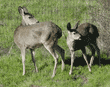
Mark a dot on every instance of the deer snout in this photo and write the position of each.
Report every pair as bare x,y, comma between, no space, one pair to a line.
79,38
37,22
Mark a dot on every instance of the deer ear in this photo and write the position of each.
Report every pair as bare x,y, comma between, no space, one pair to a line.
25,9
19,9
76,26
22,12
69,26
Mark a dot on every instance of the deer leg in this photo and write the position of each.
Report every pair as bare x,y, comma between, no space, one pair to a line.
98,52
93,54
33,59
85,57
55,56
23,59
72,61
61,51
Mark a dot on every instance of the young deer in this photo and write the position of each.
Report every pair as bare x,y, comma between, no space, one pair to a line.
81,36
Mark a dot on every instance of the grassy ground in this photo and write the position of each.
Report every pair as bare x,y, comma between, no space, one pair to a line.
60,12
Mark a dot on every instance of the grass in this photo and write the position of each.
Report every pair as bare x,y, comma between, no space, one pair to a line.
60,12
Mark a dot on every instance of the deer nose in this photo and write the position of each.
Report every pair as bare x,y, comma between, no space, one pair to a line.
79,38
37,22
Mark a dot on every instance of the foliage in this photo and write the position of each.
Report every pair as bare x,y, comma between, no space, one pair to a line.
60,12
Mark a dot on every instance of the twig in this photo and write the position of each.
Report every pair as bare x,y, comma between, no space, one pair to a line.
10,49
64,35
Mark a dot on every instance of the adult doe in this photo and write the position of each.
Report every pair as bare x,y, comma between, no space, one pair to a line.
35,35
81,36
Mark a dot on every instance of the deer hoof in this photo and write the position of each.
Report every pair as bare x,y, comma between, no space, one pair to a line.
70,73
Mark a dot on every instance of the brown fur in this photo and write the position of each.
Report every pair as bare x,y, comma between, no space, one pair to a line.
36,35
88,33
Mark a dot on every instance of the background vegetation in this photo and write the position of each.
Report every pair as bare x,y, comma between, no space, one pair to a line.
60,12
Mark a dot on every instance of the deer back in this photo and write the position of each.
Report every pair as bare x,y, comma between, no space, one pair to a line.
88,29
37,34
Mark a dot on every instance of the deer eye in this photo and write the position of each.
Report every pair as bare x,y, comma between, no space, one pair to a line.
74,33
30,17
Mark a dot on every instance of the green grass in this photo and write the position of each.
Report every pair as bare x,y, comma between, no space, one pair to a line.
60,12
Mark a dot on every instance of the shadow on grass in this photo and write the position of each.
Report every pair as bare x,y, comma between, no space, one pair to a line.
79,61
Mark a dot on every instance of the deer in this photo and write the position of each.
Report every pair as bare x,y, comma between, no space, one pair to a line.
31,35
81,36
